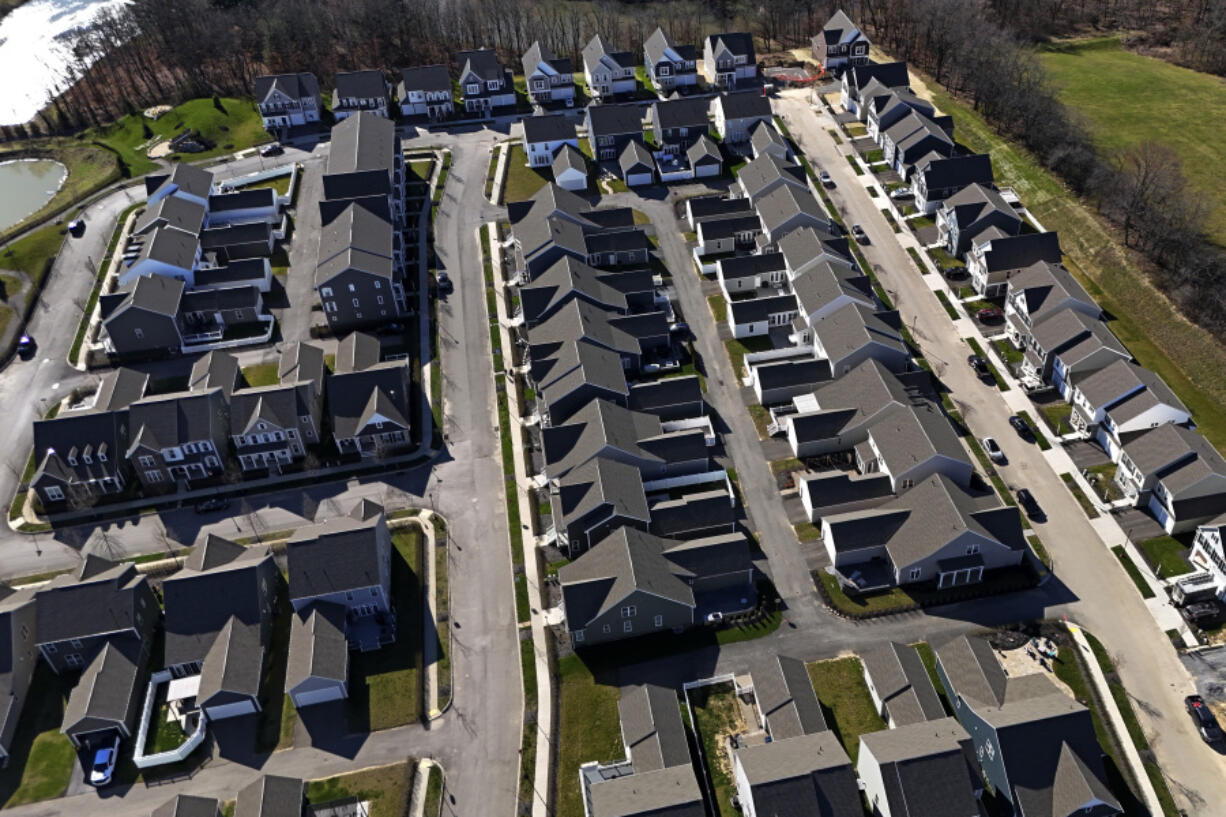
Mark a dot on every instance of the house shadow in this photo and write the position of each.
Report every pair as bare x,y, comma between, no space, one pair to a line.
326,725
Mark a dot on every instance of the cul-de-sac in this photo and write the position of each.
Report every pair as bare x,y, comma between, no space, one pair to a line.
600,408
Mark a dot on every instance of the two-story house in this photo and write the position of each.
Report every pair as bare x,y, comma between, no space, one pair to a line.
357,91
18,624
287,100
368,400
365,166
80,452
1039,291
669,66
676,124
359,274
840,44
1176,474
78,614
347,561
1068,345
609,73
937,178
1209,552
738,114
884,75
610,128
1122,400
544,136
884,111
271,427
994,259
972,212
425,90
915,137
550,79
178,437
485,83
728,60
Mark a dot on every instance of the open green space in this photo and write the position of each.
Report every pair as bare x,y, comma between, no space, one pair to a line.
230,124
40,757
385,685
34,252
588,729
1166,555
278,183
385,788
1128,98
719,308
845,700
522,181
1057,417
1190,360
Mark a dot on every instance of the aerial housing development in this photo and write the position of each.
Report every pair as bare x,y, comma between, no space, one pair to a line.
627,413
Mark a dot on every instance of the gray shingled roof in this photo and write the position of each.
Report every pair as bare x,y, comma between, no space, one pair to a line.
680,113
107,590
483,62
745,104
172,211
271,796
758,174
599,481
317,645
424,78
568,158
103,696
234,664
538,53
1016,251
673,791
188,805
337,555
738,44
548,128
789,201
808,775
853,326
786,698
824,283
625,561
956,171
295,86
924,768
703,151
651,726
364,141
1108,384
902,684
362,84
614,120
635,158
602,424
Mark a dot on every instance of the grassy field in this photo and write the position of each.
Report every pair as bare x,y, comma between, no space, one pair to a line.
261,374
522,181
234,126
1187,357
31,253
1129,98
90,167
845,701
387,788
588,730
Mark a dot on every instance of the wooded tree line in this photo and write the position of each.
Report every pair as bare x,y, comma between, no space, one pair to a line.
971,50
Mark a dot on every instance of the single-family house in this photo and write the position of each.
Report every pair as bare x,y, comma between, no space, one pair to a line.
857,76
719,235
610,128
485,83
995,258
368,400
854,333
922,769
972,212
745,273
809,774
700,207
1039,291
826,287
594,500
937,178
1069,345
884,110
788,208
544,136
808,248
549,79
425,90
185,181
840,44
752,317
317,667
765,138
677,124
18,628
634,583
669,398
608,72
271,796
637,165
728,60
766,174
704,158
357,91
104,703
1175,474
669,66
899,685
914,138
1209,553
287,100
1122,400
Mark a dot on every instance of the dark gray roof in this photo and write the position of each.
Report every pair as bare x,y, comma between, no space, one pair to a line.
188,805
673,792
168,420
280,405
626,561
747,266
214,370
636,158
784,373
868,391
424,78
838,23
972,669
651,727
1066,326
107,590
614,120
764,135
902,684
1104,387
823,284
568,158
851,327
234,663
171,246
337,555
715,227
1016,251
119,389
766,170
1045,286
317,645
364,84
356,239
356,399
802,245
174,211
271,796
973,202
301,361
484,63
680,113
193,180
1185,462
243,199
786,698
664,393
924,768
602,424
569,276
364,141
580,319
707,206
295,86
598,50
603,480
103,696
738,43
659,43
548,128
703,151
745,104
889,74
759,309
956,171
807,775
692,513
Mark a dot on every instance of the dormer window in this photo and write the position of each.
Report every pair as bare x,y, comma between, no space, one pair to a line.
101,456
72,460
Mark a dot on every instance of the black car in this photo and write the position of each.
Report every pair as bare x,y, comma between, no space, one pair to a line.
26,347
979,365
1021,427
955,273
1206,724
1026,500
211,505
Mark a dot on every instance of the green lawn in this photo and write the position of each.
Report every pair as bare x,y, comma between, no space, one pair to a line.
1133,572
1078,494
1185,356
1102,478
1166,556
588,729
385,685
737,349
1128,98
33,253
165,734
761,417
522,181
90,168
1039,438
234,126
261,374
717,715
845,701
386,788
278,183
1057,417
40,758
719,307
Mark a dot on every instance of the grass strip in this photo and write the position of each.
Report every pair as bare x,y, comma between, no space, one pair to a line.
978,349
1080,496
1133,572
949,308
1039,438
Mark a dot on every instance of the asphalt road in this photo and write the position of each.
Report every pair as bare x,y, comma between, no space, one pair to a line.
1104,600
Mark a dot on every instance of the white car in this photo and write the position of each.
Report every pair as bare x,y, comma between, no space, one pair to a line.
989,445
901,193
103,767
715,618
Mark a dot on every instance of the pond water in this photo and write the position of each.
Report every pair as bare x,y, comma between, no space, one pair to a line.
28,184
36,49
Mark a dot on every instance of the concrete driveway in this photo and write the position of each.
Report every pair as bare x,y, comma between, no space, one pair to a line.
1106,602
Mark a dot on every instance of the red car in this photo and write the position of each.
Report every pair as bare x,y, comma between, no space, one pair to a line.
991,313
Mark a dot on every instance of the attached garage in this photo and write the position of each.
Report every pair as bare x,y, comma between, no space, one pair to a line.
104,702
637,165
310,697
231,673
234,709
317,670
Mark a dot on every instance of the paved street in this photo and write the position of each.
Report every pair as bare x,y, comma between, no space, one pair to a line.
1106,603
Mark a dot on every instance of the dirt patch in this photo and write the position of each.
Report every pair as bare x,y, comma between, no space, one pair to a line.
160,150
1025,661
157,111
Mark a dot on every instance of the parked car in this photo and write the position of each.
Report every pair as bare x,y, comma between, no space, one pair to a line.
858,233
990,314
444,283
1203,613
979,365
994,451
901,193
955,273
1022,428
715,618
103,766
212,505
26,347
76,227
1206,724
824,178
680,327
274,149
1026,500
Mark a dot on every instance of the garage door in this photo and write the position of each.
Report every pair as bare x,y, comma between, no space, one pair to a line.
318,696
217,713
1159,511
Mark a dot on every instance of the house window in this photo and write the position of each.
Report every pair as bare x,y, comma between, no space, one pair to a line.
325,292
54,493
153,476
140,333
378,284
379,298
356,302
628,626
72,460
352,288
608,628
472,88
629,610
73,660
76,643
915,573
971,550
51,649
659,621
578,635
101,456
